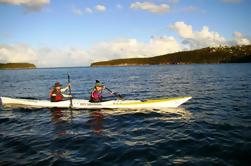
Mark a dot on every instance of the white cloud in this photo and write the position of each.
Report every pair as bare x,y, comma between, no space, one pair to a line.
100,8
80,12
44,57
25,2
88,10
120,48
17,53
97,8
197,39
77,11
151,7
184,30
59,57
30,5
129,48
239,39
163,45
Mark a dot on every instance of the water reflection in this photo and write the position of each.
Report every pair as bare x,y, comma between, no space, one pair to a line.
174,114
167,114
60,115
96,121
91,118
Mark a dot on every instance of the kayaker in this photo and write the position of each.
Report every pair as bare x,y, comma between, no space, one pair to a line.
96,94
57,93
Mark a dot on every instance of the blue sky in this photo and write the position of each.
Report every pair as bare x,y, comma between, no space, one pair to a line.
78,32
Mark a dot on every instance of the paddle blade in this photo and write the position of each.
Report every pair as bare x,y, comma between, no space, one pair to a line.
118,95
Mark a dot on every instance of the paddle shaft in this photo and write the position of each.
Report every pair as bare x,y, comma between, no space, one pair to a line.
116,94
69,81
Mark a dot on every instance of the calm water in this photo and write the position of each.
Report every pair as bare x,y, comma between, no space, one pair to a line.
214,128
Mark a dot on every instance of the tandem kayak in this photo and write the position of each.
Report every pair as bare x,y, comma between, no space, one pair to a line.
85,104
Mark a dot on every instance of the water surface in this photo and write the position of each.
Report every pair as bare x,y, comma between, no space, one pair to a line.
211,129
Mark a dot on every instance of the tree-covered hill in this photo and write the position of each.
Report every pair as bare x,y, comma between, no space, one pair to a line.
17,66
222,54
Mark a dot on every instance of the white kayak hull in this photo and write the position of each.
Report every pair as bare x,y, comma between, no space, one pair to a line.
85,104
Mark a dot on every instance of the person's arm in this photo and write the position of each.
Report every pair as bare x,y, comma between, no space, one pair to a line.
66,88
67,96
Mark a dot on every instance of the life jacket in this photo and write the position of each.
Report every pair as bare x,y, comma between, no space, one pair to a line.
96,96
58,97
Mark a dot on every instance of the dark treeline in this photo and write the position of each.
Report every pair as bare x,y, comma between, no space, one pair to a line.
222,54
17,66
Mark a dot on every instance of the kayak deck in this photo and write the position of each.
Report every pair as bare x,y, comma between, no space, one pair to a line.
85,104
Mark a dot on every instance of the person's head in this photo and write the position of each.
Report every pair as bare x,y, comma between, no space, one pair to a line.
99,86
57,86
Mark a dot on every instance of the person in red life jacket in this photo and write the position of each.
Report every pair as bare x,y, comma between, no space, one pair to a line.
96,94
57,93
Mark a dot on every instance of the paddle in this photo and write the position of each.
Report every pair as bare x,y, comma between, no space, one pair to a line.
114,93
69,81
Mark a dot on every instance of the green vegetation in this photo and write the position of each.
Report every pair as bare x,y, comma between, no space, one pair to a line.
17,66
222,54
